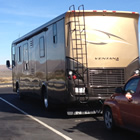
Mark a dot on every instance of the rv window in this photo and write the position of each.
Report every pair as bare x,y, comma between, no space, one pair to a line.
19,54
54,33
41,47
26,55
13,56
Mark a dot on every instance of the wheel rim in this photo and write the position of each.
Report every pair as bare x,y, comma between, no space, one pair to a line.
18,93
46,102
108,119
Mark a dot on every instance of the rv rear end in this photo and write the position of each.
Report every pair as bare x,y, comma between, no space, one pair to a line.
112,52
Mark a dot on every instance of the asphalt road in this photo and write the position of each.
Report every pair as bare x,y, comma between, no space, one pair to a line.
28,120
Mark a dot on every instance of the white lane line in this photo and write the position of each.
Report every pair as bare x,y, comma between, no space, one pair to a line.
37,120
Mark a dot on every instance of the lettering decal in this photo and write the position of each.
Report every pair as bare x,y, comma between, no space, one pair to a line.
107,58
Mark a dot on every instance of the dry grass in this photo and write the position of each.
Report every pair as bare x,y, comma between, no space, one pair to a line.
5,74
6,80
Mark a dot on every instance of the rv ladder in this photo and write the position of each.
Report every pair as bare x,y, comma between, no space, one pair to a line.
79,46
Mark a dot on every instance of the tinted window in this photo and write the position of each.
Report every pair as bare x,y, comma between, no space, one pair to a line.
132,84
41,47
54,33
19,54
26,55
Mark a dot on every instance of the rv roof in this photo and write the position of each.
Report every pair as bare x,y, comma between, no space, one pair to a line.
107,11
95,12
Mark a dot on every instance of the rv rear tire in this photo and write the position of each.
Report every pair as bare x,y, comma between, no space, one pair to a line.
20,96
46,100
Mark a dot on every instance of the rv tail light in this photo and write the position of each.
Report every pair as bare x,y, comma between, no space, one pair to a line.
114,11
94,10
133,12
74,77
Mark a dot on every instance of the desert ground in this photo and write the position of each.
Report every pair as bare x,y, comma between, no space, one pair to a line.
5,74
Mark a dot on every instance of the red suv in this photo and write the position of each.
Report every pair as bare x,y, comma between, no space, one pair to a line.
123,107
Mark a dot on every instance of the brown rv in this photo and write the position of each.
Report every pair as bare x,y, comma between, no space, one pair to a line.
80,56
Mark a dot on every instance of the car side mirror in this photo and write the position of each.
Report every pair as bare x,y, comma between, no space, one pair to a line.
119,90
128,95
8,64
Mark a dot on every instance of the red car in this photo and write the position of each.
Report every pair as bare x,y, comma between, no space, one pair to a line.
123,107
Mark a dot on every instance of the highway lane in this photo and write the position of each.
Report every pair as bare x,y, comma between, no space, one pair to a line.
15,124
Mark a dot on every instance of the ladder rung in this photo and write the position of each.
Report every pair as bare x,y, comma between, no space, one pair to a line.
79,31
81,54
81,34
80,64
80,44
79,67
78,57
76,39
77,48
72,21
80,25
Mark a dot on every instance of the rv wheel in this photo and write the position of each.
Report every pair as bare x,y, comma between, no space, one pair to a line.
45,100
20,96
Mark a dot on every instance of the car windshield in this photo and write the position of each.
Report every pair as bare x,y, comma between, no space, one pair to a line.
132,85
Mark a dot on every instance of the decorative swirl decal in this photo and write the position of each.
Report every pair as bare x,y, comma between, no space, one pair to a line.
110,38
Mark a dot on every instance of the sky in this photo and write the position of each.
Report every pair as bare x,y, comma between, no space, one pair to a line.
18,17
